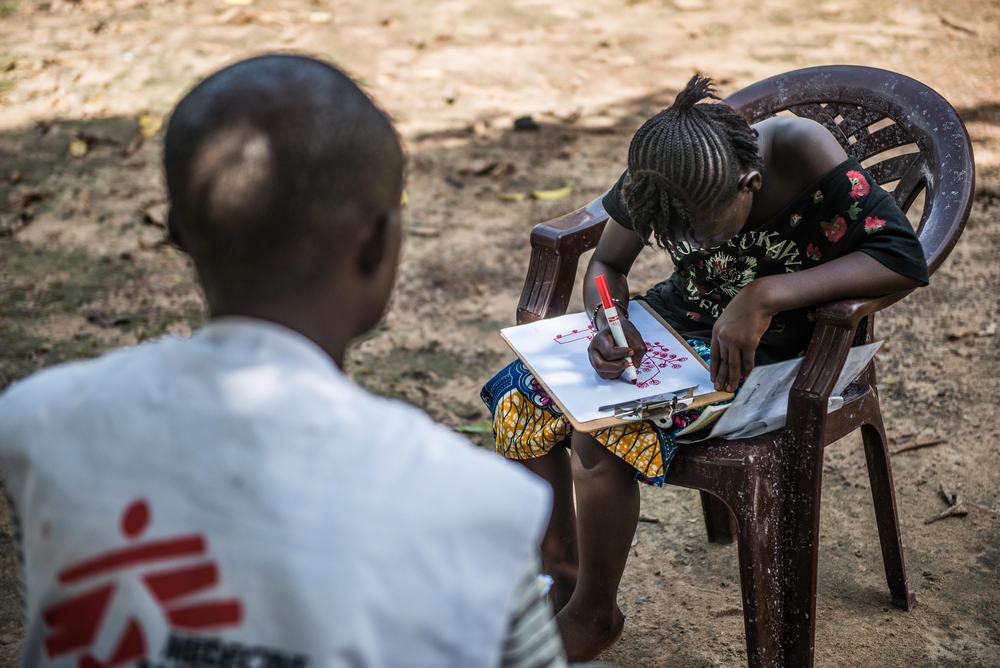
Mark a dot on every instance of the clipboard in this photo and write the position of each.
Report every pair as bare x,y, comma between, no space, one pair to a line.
566,374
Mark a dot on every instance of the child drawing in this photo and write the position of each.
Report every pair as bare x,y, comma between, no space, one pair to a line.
761,223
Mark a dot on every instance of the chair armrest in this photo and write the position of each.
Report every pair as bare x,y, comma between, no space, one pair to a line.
556,246
848,313
836,328
836,331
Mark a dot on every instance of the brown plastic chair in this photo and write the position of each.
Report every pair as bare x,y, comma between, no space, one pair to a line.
765,491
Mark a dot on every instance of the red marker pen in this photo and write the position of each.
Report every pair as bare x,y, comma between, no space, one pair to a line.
611,313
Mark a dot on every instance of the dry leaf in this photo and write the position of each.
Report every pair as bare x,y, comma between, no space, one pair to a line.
78,148
514,197
503,170
132,147
480,168
961,333
159,243
552,195
25,200
149,125
156,214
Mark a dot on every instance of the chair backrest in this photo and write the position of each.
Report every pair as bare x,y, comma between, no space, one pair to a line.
901,130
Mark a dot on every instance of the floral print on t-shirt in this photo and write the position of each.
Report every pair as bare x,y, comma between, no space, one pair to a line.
839,214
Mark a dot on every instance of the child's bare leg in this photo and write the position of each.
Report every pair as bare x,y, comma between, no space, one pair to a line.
559,556
607,502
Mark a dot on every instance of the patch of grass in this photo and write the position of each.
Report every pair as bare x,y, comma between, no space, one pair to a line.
23,352
954,663
431,367
8,7
38,282
150,329
414,376
481,427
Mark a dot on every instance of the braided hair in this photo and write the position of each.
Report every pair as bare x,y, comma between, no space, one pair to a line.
686,158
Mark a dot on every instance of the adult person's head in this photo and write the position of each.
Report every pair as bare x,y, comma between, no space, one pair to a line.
285,183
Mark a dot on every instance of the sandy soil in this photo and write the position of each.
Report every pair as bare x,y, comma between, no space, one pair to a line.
83,266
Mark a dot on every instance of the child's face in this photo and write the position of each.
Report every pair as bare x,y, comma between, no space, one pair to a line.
717,228
721,226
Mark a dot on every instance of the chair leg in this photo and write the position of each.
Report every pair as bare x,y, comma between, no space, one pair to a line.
720,525
886,515
801,487
761,579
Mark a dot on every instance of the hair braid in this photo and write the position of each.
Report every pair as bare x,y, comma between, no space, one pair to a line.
686,158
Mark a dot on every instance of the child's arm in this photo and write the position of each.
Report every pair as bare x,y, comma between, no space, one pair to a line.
615,253
738,331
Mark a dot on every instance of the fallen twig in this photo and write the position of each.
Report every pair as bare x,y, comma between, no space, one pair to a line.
956,506
918,445
950,497
650,520
955,25
954,511
903,438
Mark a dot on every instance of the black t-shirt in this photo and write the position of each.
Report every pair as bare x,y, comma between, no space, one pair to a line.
842,212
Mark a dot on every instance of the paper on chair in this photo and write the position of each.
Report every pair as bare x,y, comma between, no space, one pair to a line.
762,405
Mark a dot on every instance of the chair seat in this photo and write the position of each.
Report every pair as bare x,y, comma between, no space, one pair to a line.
720,454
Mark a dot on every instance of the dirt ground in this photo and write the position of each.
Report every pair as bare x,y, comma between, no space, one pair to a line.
84,266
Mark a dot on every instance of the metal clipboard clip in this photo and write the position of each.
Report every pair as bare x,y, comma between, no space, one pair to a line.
655,407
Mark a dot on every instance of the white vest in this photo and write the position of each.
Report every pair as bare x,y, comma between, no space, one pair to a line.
234,500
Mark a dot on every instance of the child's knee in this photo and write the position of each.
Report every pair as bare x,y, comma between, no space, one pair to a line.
591,458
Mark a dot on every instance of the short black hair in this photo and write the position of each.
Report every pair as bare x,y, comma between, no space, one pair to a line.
686,158
269,157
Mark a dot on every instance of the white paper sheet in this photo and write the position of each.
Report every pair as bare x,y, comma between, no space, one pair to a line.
762,404
557,350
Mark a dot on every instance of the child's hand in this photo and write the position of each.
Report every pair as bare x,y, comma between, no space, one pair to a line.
735,338
608,359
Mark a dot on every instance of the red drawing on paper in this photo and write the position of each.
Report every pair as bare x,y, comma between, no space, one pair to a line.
658,357
75,623
576,335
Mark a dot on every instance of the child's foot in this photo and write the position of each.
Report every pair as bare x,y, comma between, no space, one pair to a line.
586,635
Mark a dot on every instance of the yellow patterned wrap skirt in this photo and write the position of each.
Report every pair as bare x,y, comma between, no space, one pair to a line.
528,424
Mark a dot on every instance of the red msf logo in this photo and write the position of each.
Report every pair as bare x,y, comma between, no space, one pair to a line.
74,623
